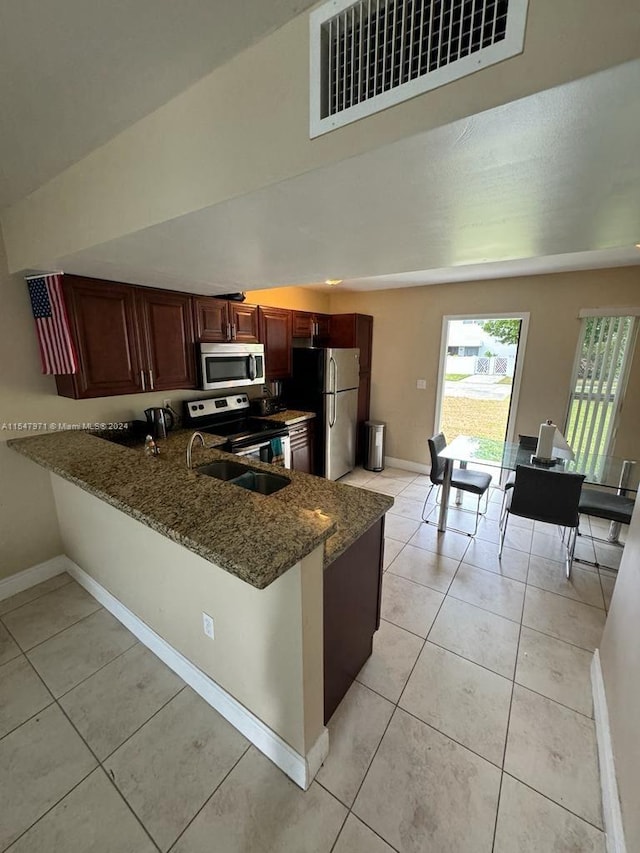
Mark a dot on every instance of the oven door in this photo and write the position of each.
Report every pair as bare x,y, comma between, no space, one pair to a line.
260,451
231,365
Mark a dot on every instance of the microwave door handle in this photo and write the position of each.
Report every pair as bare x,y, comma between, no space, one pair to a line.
252,367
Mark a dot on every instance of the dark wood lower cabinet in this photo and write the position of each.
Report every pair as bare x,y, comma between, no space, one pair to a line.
352,598
302,447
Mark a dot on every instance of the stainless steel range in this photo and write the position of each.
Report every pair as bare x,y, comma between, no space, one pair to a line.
246,436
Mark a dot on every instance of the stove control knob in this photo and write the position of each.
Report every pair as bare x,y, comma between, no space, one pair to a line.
194,408
201,406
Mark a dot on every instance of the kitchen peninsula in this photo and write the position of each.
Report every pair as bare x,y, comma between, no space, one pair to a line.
291,580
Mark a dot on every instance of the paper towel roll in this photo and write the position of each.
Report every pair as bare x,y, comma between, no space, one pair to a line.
547,433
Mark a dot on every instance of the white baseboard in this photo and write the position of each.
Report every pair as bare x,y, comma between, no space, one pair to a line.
301,769
406,465
611,810
32,576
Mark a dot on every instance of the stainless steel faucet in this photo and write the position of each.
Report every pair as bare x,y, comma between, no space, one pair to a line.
190,446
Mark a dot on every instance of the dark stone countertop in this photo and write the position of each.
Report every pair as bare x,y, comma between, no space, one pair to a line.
255,537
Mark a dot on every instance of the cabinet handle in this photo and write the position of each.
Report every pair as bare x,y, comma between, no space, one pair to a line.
144,384
151,378
233,332
315,329
228,331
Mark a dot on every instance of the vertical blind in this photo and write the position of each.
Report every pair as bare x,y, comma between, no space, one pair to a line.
605,349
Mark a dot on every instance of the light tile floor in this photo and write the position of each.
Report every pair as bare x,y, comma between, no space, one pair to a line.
469,729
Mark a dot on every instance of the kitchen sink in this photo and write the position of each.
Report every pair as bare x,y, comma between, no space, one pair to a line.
248,478
261,482
223,469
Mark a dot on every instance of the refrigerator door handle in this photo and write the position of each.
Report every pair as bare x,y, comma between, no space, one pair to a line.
332,410
332,391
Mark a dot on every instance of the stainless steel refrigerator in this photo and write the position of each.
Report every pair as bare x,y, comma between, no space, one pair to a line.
326,381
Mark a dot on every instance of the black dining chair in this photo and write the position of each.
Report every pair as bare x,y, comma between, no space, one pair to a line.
475,482
549,496
526,443
607,506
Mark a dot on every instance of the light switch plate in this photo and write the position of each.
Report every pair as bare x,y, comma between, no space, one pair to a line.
207,625
421,384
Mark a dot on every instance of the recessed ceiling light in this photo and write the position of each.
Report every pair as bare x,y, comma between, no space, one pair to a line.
637,247
333,281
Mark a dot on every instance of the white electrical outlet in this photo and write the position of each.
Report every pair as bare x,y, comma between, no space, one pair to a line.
166,404
207,625
421,384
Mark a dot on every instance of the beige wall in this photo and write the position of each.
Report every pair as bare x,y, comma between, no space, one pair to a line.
245,126
620,661
28,527
406,346
295,298
267,653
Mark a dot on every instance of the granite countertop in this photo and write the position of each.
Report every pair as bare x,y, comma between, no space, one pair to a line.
288,417
255,537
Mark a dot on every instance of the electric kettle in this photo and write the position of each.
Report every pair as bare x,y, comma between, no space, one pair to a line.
160,421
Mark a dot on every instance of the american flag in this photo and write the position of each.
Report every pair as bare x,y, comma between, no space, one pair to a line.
52,324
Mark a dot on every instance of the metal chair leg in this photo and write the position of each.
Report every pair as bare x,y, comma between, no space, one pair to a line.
571,547
426,500
503,534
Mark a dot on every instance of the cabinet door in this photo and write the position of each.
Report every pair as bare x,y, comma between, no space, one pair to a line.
244,322
323,326
212,319
167,322
302,447
302,324
102,315
275,334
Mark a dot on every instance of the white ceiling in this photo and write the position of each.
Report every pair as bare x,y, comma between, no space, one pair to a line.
77,72
550,182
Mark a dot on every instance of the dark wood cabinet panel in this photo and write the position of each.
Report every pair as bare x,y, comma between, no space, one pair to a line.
218,320
275,334
323,327
244,322
302,447
309,325
102,316
166,322
356,330
352,596
353,330
302,324
212,319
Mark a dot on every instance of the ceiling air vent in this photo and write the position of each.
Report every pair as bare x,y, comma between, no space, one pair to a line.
367,56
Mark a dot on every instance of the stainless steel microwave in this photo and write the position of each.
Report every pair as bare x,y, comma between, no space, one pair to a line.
231,365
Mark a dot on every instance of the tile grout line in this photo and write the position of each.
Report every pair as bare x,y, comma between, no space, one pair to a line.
37,597
99,764
393,714
57,633
222,781
555,802
513,688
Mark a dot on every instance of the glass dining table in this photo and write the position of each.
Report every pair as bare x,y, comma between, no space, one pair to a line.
609,471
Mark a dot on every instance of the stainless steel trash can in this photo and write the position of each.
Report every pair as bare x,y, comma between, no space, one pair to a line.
374,442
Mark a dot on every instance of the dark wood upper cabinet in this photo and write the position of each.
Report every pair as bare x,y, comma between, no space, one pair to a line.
314,326
353,330
244,322
166,325
218,320
275,334
212,319
102,316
